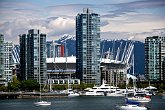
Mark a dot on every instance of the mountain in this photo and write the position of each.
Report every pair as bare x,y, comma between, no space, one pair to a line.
112,46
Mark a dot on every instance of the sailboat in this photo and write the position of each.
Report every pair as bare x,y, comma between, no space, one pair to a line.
41,102
131,105
138,97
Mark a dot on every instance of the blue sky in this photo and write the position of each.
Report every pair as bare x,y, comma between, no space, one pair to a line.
120,19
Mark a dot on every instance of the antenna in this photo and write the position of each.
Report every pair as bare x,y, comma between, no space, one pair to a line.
87,10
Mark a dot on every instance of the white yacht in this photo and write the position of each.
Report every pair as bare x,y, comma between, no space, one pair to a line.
100,90
130,107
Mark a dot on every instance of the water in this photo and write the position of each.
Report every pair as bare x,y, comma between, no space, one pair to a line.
76,103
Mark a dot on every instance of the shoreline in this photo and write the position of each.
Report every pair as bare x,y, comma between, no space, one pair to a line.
31,95
28,95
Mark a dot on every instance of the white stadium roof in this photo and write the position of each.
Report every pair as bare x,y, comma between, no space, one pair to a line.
72,59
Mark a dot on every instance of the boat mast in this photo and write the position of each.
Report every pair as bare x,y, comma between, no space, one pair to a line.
133,64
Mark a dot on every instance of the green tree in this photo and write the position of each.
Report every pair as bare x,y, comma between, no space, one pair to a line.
29,85
14,85
59,87
3,88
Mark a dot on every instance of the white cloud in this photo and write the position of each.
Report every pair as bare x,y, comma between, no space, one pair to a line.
139,24
56,20
52,27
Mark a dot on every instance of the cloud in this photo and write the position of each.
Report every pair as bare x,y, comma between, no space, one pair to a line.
121,19
135,7
70,10
142,4
60,26
140,36
52,27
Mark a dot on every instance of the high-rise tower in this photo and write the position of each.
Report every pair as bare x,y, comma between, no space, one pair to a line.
88,47
154,58
8,61
33,56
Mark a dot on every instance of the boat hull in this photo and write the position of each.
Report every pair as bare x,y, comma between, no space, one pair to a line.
139,99
130,107
42,103
114,95
94,94
73,95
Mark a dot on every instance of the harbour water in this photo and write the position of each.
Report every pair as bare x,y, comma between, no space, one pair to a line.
76,103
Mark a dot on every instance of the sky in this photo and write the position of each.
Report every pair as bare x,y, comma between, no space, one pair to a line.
120,19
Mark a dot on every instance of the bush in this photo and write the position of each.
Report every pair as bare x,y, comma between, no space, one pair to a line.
3,88
29,85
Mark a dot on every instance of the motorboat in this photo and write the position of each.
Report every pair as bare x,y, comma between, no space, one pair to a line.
71,93
42,103
140,98
131,107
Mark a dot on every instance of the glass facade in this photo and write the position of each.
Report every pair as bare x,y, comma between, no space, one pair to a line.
154,57
33,56
1,55
88,47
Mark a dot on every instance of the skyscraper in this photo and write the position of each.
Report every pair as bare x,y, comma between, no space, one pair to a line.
8,61
88,47
154,58
33,56
1,55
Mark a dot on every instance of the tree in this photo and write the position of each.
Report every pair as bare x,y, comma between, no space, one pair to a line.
29,85
14,85
3,88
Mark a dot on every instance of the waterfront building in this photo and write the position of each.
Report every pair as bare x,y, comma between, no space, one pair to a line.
154,58
88,47
60,69
113,74
33,56
8,61
54,49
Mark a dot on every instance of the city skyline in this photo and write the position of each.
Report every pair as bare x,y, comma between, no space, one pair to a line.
128,19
